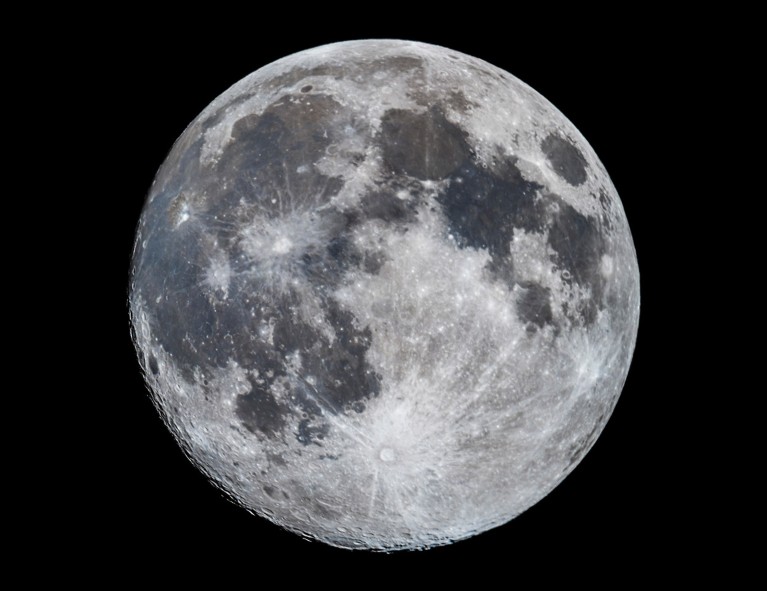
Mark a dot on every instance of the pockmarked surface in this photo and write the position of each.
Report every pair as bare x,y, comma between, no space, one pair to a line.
384,294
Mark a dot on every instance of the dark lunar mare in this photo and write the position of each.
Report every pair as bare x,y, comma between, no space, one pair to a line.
485,204
205,329
579,243
566,160
334,376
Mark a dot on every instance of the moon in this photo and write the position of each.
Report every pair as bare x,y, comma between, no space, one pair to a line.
384,294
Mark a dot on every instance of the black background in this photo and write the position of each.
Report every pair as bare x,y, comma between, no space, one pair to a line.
629,504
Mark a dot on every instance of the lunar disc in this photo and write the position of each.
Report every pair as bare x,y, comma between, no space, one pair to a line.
384,294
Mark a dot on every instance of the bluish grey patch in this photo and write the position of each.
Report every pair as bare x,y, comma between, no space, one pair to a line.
175,177
177,174
260,165
178,312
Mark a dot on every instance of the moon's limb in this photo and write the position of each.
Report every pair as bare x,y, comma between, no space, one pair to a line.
384,294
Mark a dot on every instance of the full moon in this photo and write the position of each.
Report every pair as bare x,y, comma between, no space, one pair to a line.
384,294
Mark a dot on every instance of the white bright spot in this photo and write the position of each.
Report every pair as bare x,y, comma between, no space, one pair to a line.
282,245
606,266
183,214
219,273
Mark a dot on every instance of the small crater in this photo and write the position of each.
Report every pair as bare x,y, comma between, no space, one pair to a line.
306,88
387,455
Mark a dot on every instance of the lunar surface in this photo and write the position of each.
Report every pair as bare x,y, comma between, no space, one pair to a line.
384,294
